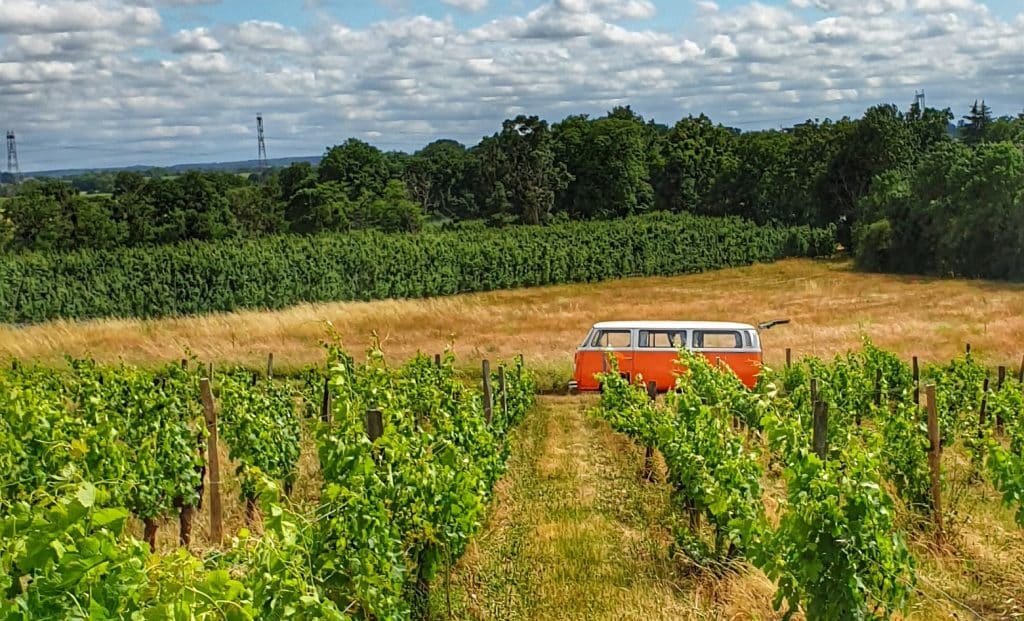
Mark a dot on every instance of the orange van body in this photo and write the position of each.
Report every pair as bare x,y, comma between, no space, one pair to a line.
650,349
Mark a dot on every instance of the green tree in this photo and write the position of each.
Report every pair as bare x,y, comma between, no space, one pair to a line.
976,123
436,178
521,159
361,167
696,153
608,159
881,140
392,212
321,207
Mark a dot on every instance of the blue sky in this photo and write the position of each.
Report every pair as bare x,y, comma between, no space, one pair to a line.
118,82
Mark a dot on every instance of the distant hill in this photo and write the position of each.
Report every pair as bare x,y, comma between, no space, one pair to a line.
239,166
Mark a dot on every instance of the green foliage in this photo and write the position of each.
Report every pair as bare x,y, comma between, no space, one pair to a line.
835,553
274,272
392,513
259,424
958,213
134,434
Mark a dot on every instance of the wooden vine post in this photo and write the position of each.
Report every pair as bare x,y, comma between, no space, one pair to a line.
213,462
437,360
374,424
820,437
270,366
917,383
648,470
789,357
983,413
935,460
999,386
325,402
1020,374
488,396
504,392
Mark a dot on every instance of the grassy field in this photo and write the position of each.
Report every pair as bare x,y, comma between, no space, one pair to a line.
575,533
830,305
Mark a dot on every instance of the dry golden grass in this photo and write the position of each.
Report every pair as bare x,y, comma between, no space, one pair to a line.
831,307
575,533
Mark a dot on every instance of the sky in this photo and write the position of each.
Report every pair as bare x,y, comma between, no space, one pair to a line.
157,82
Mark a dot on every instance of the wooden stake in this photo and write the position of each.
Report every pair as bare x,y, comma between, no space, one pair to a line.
917,383
820,438
814,390
437,360
270,365
185,525
648,470
184,364
488,396
935,460
212,462
325,402
1001,378
374,423
789,357
982,415
149,533
1020,375
504,392
967,350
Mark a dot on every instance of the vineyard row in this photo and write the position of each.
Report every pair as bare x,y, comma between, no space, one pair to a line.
408,457
856,452
275,272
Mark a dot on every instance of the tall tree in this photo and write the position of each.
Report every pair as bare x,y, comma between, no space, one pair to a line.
976,123
608,159
360,167
521,162
694,154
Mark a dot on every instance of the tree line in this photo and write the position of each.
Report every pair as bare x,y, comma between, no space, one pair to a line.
818,173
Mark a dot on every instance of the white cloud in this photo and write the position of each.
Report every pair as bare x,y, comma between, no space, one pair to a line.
33,18
108,72
194,40
471,6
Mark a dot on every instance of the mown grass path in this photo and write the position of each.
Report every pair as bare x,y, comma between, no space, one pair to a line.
575,533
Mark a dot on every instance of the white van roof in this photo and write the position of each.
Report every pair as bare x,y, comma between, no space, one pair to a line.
672,325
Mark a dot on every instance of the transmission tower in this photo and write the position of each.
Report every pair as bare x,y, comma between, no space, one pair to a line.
262,154
12,157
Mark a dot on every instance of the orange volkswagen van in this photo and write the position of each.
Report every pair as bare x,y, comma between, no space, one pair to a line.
650,349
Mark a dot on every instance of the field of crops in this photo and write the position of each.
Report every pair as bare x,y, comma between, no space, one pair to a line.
822,475
407,456
275,272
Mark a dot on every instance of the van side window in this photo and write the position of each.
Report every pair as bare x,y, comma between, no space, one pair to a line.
716,339
662,339
616,339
